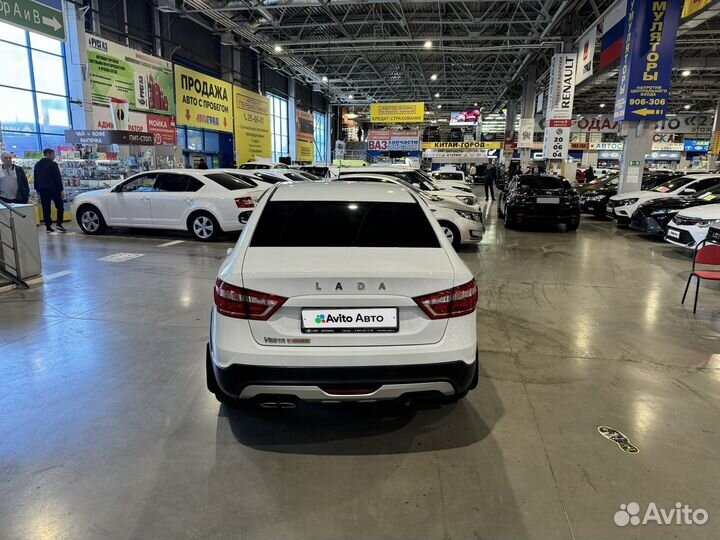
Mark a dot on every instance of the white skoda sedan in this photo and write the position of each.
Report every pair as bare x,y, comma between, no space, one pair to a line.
342,291
205,203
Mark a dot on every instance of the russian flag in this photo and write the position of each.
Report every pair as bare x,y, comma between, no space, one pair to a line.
611,44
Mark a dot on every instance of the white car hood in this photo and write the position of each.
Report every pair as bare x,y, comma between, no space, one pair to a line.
710,211
633,195
93,193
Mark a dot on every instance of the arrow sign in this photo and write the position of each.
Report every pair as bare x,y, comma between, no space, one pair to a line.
646,112
38,17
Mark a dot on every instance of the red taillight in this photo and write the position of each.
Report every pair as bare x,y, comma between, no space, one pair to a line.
455,302
244,202
242,303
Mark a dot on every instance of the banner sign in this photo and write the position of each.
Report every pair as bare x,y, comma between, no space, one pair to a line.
561,92
126,79
715,145
304,136
691,7
610,155
645,74
404,140
461,145
663,156
696,146
397,113
202,101
586,52
253,138
108,136
163,127
606,146
611,44
526,133
42,17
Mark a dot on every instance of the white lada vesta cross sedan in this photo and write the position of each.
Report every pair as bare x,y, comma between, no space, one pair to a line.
342,291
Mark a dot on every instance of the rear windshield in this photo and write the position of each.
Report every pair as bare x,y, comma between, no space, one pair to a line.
230,181
544,182
255,166
448,176
343,224
673,184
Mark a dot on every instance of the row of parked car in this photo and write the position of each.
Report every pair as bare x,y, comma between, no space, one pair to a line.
208,203
679,206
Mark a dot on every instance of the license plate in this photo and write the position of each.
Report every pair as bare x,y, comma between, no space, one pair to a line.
673,233
349,320
548,200
591,208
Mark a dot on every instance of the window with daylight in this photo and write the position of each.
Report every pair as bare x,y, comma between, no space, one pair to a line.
33,91
280,138
320,138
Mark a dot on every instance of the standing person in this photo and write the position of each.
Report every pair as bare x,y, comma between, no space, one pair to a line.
14,186
202,164
589,174
473,172
48,184
490,174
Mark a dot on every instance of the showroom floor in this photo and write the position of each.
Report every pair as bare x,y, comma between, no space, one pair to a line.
107,430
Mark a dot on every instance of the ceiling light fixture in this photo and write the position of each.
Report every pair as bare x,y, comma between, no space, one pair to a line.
475,104
602,105
428,44
278,48
433,77
324,78
686,107
439,106
686,73
437,94
350,96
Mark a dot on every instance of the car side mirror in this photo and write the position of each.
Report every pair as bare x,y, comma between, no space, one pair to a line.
689,191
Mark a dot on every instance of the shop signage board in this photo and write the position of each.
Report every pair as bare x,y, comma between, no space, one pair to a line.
586,52
304,136
693,7
253,139
610,155
696,146
526,133
715,145
203,101
126,79
162,127
663,156
388,140
462,145
397,113
40,16
558,118
108,136
606,146
644,77
697,124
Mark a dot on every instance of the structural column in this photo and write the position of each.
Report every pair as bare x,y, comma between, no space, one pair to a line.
637,137
509,132
527,119
713,158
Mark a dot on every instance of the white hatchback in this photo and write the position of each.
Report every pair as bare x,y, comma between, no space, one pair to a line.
205,203
342,291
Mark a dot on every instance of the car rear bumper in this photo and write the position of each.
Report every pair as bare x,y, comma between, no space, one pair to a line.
592,207
545,215
327,384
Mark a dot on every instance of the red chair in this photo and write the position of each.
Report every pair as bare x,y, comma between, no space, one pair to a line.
708,254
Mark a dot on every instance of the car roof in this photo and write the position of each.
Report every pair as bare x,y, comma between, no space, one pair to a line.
342,191
376,169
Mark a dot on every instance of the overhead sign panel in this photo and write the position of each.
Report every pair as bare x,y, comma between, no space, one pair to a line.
692,7
253,139
461,145
203,101
644,78
44,17
397,113
561,93
304,136
404,140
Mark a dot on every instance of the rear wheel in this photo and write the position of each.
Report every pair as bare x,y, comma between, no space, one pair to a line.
451,233
571,227
204,226
90,220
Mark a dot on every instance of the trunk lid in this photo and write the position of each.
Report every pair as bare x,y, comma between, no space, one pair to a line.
351,279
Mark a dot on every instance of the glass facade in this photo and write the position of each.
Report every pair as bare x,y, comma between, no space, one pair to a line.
279,127
33,91
320,137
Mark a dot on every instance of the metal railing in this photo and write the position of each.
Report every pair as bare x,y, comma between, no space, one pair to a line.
11,270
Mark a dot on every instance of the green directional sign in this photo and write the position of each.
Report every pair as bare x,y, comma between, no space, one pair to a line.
33,16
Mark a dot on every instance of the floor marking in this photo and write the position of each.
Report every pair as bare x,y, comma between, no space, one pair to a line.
173,243
619,438
56,275
120,257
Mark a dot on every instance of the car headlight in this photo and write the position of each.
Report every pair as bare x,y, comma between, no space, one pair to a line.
433,198
627,202
467,200
594,197
475,216
661,212
704,224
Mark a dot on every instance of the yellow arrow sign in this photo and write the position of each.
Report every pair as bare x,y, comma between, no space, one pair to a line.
646,112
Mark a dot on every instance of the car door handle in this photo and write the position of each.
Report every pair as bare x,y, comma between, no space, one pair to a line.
189,201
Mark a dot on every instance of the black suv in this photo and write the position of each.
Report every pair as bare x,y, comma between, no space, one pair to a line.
531,198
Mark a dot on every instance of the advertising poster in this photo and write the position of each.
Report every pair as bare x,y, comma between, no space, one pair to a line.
252,125
397,113
468,117
304,136
586,52
645,74
526,133
387,140
163,127
203,101
125,79
561,93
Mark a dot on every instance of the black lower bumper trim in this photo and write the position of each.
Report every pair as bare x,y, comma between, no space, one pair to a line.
233,379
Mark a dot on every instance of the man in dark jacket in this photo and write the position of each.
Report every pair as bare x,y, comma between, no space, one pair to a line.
13,182
490,177
48,184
